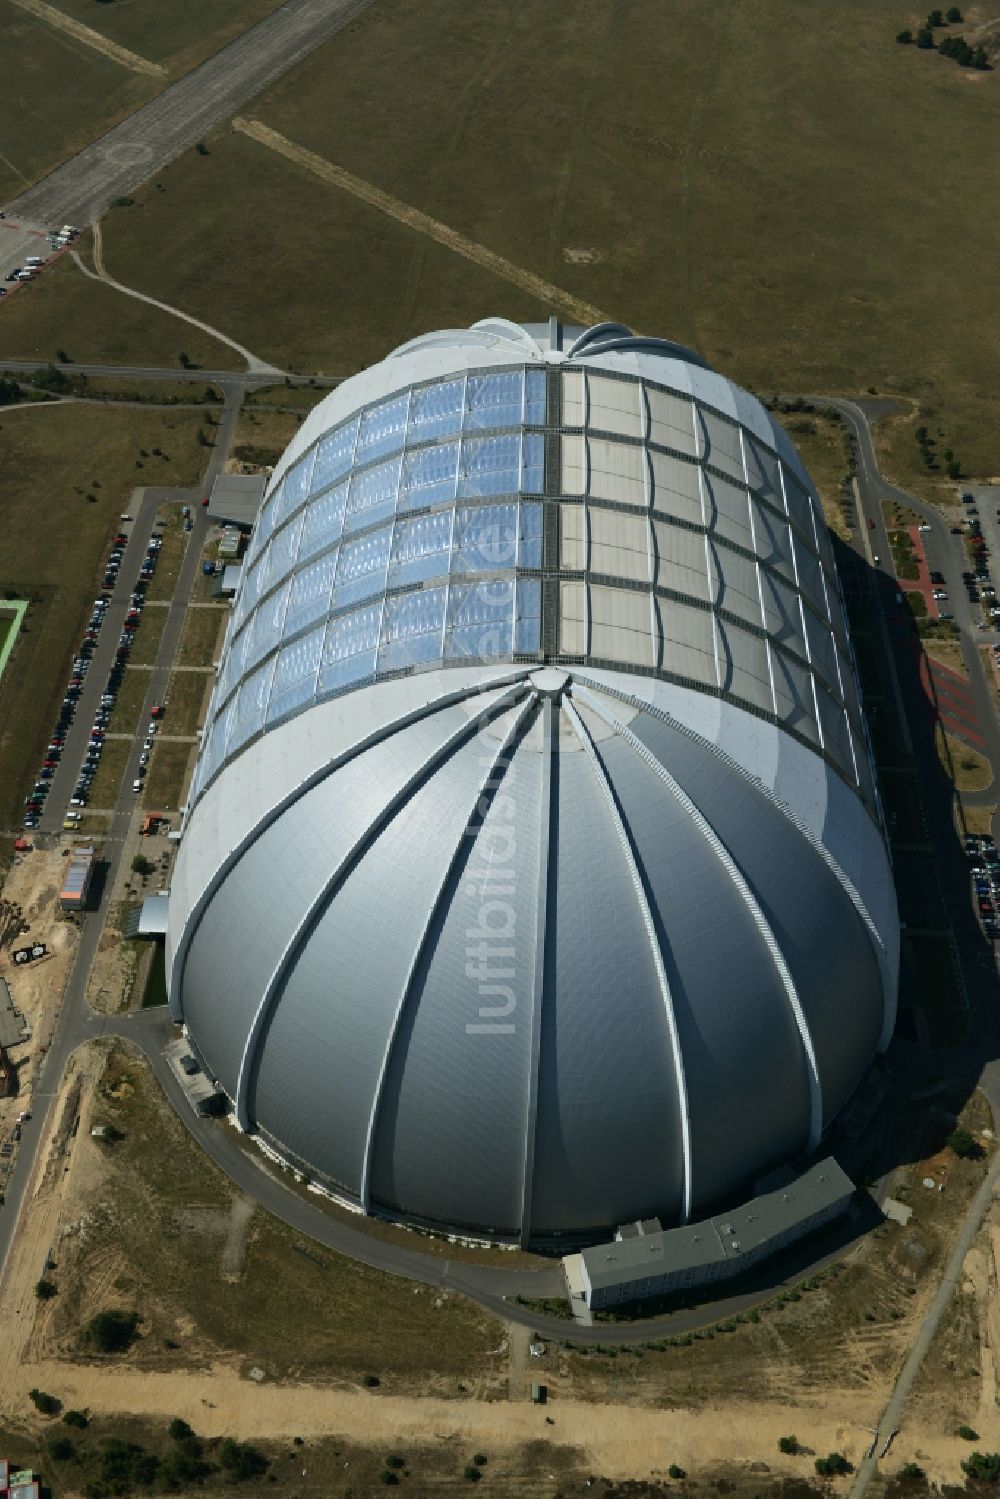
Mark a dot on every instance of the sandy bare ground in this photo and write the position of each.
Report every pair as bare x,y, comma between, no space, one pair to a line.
422,223
33,883
91,38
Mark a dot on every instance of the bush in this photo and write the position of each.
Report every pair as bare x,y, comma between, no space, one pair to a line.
834,1463
925,38
904,36
51,379
371,1381
472,1473
789,1445
968,1434
984,1466
480,1459
79,1419
395,1461
241,1461
675,1472
953,15
962,1143
49,1405
388,1476
179,1430
10,391
122,202
61,1449
911,1470
112,1332
45,1289
123,1465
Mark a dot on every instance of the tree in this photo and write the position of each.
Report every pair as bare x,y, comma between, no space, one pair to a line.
985,1466
962,1143
980,60
789,1445
49,1405
925,38
45,1289
968,1434
674,1471
472,1473
10,391
79,1419
935,18
61,1449
832,1464
112,1331
240,1460
142,865
51,379
954,469
911,1470
953,15
905,36
179,1430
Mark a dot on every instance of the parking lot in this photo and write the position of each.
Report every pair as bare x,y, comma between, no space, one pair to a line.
26,249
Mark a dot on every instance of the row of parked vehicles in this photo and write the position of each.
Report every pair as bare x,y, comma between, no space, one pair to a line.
984,869
35,803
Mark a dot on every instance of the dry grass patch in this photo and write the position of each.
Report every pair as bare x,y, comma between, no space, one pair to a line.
171,554
184,699
966,768
146,640
973,819
202,637
262,436
166,1233
54,457
167,768
946,653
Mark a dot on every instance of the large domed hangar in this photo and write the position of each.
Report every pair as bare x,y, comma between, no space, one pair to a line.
532,878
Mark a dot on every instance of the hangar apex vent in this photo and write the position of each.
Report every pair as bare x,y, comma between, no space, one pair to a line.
533,877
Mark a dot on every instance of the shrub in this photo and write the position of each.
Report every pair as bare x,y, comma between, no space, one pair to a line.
480,1459
45,1289
395,1461
968,1434
953,15
789,1445
79,1419
123,1465
179,1430
388,1476
925,38
911,1470
962,1143
49,1405
61,1449
472,1473
241,1461
10,391
675,1472
832,1464
904,36
112,1331
371,1381
984,1466
122,202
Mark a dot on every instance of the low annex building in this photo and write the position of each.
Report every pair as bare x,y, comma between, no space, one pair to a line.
639,1265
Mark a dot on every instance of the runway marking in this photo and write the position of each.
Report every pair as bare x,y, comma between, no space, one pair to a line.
421,223
94,39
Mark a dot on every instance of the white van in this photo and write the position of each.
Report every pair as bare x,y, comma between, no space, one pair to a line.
137,784
34,261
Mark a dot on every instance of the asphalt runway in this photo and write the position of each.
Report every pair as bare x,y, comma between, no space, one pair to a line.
83,187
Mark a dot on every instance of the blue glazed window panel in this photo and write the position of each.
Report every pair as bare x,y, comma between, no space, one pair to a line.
312,590
295,672
421,548
411,629
251,701
490,465
534,398
349,648
334,456
528,615
429,476
494,400
485,538
265,628
382,429
362,567
436,411
282,552
480,620
323,522
372,495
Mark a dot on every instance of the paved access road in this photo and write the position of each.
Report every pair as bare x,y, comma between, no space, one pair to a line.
82,188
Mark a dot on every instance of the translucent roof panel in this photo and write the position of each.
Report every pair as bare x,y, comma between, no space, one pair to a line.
405,533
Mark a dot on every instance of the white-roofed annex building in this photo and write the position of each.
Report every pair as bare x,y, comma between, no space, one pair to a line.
532,878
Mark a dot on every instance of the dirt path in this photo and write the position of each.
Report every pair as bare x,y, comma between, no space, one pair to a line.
92,39
620,1440
255,366
422,223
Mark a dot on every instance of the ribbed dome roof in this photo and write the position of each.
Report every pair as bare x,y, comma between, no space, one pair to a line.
533,879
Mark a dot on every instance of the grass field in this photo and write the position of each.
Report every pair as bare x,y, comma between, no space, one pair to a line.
966,768
822,445
171,554
282,1301
200,636
131,696
108,781
776,218
147,637
147,392
63,93
262,436
167,767
53,458
977,819
301,397
185,694
95,324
